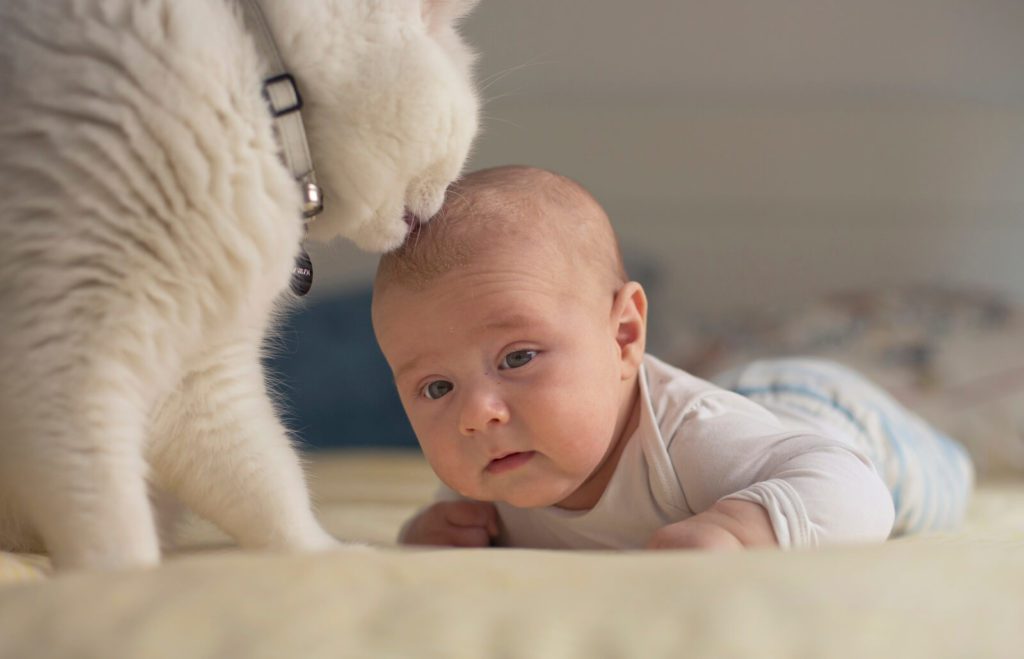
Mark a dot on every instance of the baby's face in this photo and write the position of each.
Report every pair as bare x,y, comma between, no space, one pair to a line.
512,380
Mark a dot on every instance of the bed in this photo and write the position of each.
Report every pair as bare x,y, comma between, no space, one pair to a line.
956,594
954,355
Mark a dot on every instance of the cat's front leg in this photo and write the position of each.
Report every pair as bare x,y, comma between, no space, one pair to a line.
220,448
77,474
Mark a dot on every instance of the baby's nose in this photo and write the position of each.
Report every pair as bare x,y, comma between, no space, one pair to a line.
482,411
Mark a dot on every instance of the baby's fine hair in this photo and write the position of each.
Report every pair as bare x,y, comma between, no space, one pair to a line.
503,206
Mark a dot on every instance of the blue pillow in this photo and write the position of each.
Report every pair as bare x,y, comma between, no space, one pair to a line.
333,384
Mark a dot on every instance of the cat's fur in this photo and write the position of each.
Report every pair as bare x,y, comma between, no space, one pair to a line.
147,234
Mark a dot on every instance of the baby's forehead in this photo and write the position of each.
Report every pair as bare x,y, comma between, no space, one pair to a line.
536,217
538,229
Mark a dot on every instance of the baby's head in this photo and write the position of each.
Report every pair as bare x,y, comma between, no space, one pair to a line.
515,339
528,212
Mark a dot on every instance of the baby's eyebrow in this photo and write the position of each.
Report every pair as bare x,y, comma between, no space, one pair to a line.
406,367
508,321
504,321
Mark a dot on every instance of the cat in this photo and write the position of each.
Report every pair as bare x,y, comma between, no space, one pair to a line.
148,229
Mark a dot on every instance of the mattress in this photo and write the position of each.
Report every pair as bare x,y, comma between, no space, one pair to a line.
942,595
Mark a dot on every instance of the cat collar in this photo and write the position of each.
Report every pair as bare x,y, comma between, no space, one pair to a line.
284,101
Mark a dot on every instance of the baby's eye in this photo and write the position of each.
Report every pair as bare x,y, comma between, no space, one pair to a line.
518,358
437,388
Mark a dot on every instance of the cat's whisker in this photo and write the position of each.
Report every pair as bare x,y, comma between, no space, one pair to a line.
501,75
488,101
486,118
415,241
455,192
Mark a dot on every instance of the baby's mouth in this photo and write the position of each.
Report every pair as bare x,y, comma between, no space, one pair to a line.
509,461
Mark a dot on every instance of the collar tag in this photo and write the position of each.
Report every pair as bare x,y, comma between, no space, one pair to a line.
302,273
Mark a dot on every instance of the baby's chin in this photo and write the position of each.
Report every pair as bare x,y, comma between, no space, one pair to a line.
531,503
530,497
521,490
514,499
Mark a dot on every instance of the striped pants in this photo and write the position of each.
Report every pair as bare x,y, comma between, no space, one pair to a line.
929,474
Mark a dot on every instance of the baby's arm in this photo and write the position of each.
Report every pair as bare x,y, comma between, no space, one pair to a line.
729,524
461,523
821,494
731,455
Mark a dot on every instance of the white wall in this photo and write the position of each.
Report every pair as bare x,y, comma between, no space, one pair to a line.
766,151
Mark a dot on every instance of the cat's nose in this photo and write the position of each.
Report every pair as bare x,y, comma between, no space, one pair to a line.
412,222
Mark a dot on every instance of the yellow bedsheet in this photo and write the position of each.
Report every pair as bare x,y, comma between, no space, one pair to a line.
951,595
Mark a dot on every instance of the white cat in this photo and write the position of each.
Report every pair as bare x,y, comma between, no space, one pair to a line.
148,229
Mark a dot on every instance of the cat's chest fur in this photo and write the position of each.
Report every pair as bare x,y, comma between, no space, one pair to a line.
160,158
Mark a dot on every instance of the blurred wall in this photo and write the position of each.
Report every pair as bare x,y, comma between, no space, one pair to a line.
762,152
753,153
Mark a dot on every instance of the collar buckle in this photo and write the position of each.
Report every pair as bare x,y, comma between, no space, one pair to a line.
312,200
282,95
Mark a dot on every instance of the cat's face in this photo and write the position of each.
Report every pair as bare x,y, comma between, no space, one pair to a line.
391,113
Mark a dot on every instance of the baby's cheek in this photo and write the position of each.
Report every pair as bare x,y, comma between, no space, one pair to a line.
575,439
593,437
449,467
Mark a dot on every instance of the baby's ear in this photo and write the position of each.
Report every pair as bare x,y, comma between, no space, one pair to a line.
629,315
440,13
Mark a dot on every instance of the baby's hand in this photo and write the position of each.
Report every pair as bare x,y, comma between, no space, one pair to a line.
729,524
452,524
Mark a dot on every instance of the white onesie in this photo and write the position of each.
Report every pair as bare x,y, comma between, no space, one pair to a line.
805,452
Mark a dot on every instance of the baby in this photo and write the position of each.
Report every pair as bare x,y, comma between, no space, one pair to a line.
516,341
